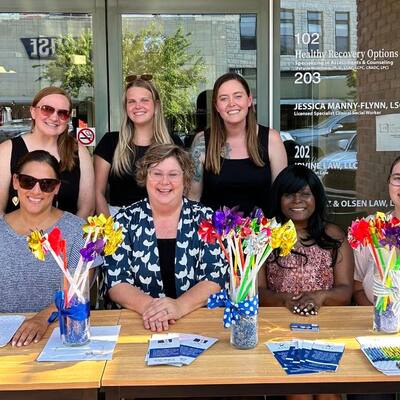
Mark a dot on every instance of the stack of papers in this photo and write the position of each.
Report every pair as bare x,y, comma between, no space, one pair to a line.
176,349
9,324
383,352
306,356
101,346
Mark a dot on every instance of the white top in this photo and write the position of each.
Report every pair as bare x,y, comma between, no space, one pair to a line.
364,270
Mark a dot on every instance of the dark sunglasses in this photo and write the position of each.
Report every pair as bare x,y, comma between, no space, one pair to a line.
48,111
46,185
133,78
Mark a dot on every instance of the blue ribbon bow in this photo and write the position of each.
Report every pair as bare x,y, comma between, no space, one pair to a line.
77,312
233,311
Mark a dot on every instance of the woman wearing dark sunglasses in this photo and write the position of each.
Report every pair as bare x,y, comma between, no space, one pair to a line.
27,284
50,111
116,154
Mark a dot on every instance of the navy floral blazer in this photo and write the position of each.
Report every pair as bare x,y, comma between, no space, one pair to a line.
136,261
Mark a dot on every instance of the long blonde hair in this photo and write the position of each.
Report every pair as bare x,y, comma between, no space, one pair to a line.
66,144
125,154
218,131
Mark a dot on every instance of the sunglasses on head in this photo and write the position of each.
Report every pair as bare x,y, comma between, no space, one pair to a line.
48,111
46,185
133,78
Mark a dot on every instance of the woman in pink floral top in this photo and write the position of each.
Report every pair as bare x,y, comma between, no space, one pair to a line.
319,270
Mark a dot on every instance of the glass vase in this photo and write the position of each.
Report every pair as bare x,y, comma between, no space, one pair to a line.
244,330
76,319
244,333
385,319
387,302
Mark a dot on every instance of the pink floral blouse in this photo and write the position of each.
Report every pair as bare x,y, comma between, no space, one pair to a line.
296,274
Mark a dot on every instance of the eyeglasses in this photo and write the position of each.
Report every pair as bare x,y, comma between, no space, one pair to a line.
394,179
48,111
133,78
47,185
158,176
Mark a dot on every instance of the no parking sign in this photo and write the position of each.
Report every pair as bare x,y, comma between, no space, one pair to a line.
86,136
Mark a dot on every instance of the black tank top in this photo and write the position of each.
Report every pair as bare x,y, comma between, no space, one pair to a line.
240,182
166,251
67,198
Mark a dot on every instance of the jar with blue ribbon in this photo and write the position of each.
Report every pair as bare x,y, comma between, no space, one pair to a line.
73,313
246,244
244,331
241,317
73,302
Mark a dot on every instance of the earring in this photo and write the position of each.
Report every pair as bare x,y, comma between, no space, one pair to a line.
15,201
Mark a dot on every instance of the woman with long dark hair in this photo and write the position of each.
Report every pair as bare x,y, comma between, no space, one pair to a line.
236,160
319,270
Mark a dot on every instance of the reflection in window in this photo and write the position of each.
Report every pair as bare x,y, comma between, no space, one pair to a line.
342,36
314,22
250,74
287,32
44,49
248,25
186,53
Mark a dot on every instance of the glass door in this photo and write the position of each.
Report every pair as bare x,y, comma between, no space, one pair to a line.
186,47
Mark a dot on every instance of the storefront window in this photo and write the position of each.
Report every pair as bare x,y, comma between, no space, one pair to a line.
44,49
339,100
186,54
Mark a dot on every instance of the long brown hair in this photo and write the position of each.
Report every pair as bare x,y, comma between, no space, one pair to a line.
218,130
67,145
124,157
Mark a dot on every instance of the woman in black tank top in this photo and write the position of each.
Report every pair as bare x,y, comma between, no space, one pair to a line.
235,160
50,112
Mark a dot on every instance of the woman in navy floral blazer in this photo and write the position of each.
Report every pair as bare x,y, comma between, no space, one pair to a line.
163,270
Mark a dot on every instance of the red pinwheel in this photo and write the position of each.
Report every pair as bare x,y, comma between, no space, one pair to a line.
207,232
359,233
55,239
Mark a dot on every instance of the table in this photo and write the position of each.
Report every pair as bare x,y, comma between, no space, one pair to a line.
20,373
225,371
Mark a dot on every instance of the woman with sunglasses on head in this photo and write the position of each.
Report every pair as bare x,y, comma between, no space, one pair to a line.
236,160
26,283
163,270
142,124
51,111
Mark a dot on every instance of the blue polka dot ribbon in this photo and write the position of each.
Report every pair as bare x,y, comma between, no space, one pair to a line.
233,311
77,312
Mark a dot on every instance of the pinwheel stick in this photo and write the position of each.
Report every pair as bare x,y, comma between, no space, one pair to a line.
79,277
66,273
